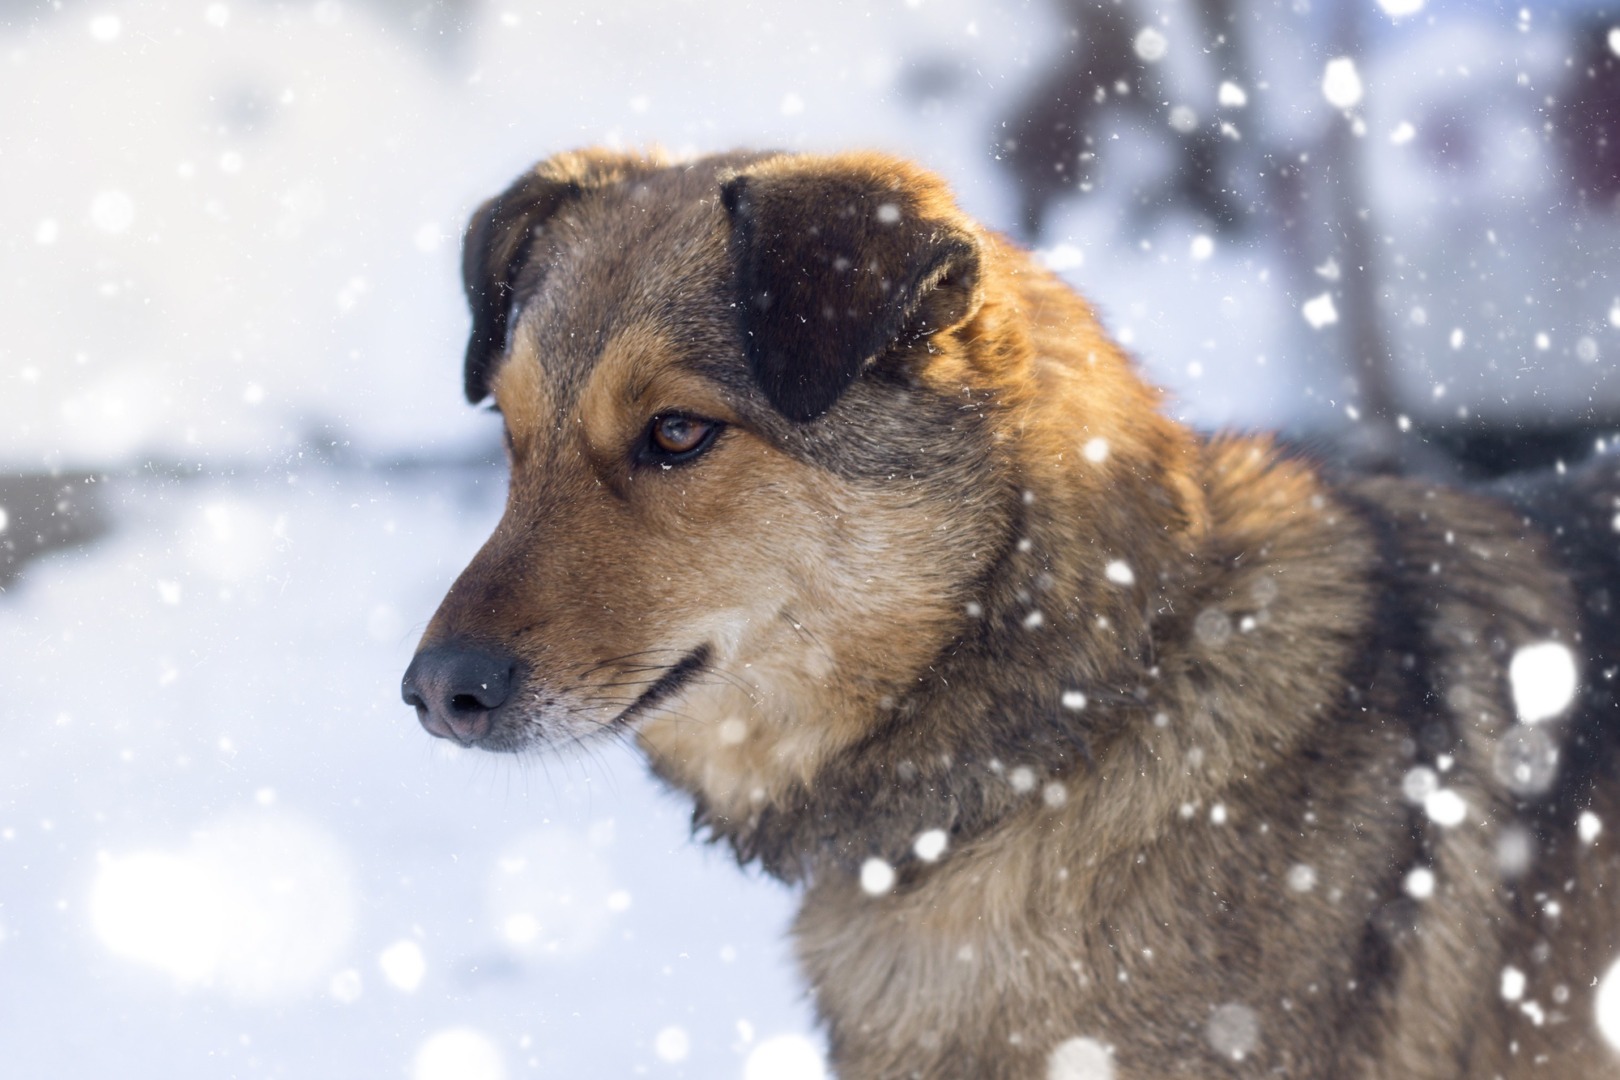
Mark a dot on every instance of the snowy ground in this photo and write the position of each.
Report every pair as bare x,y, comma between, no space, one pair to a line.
228,850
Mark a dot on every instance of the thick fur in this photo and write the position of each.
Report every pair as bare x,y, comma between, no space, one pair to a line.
947,567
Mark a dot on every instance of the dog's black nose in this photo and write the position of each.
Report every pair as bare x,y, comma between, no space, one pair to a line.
455,689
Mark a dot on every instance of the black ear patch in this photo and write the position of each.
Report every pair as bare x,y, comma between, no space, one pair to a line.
497,243
833,269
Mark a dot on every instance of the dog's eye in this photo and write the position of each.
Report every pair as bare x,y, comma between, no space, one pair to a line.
675,437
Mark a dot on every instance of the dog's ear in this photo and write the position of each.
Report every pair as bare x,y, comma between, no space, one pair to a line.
502,232
496,246
837,261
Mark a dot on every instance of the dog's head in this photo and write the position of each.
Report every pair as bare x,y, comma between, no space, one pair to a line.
738,453
759,458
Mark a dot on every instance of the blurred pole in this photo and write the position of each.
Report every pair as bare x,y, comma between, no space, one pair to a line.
1367,341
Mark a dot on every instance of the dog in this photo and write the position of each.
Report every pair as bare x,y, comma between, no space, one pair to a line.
1100,747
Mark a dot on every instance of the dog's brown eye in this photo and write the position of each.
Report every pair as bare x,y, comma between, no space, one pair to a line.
676,438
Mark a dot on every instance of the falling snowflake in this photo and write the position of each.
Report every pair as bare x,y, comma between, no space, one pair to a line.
1544,680
112,211
1231,96
403,965
1319,311
1061,257
1341,83
1419,783
1446,808
1512,983
1419,883
458,1054
1588,826
1095,450
784,1057
1119,572
1301,878
930,845
672,1044
1080,1059
1233,1031
1526,761
1213,628
1151,45
877,877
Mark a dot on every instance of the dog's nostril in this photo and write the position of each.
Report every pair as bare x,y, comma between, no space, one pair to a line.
466,703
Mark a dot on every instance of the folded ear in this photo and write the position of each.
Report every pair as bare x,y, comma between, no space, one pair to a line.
501,235
839,260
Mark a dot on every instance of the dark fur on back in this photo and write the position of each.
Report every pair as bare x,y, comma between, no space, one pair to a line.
1094,743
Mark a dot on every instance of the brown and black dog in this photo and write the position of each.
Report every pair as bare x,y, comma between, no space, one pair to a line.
1100,747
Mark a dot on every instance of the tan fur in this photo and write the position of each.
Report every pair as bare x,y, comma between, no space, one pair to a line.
889,648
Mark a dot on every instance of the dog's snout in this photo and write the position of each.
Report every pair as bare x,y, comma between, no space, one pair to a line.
456,689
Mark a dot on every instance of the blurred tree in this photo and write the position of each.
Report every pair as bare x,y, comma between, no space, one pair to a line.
1051,141
1588,113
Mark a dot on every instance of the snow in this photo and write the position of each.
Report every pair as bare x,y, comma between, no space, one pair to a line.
1119,572
784,1057
1341,83
1212,628
236,826
1513,983
1608,1005
877,877
1080,1059
1400,9
1544,680
672,1044
541,913
930,844
1419,883
459,1053
1446,808
1614,40
1065,256
1095,450
1319,311
1301,877
346,986
105,28
1526,760
1233,1031
199,277
403,965
1419,784
1151,45
111,212
261,904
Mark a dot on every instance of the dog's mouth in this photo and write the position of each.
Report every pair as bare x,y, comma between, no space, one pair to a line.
666,685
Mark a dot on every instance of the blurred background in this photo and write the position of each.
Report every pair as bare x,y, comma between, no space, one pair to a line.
236,472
